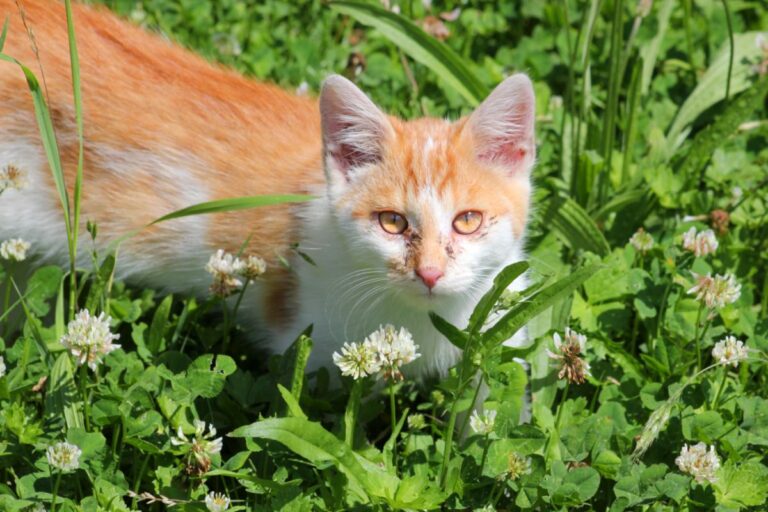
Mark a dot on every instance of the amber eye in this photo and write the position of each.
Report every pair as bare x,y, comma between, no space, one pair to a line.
467,222
392,222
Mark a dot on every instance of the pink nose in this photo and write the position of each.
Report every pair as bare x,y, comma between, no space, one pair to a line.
429,275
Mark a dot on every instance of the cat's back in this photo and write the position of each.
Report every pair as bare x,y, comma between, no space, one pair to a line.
163,127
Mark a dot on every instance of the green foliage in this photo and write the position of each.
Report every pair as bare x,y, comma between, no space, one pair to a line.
634,131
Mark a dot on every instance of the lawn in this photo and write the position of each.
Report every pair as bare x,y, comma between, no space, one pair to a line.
646,375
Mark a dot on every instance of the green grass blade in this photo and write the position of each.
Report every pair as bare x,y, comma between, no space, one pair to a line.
572,224
650,52
4,33
423,48
47,136
232,204
74,62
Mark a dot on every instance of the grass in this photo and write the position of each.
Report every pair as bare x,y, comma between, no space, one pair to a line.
649,120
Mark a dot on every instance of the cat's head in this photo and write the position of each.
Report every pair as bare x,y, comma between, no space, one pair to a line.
437,207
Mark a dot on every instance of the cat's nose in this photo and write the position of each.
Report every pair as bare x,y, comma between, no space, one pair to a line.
429,275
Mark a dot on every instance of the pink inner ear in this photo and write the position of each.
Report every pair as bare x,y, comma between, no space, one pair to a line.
508,153
348,156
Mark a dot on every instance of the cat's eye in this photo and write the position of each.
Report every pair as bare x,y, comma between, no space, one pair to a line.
392,222
467,222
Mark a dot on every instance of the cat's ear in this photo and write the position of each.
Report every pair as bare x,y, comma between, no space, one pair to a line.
502,127
354,129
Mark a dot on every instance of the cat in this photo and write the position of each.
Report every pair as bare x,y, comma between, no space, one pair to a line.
408,216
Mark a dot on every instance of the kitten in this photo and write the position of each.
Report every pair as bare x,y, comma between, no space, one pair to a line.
409,216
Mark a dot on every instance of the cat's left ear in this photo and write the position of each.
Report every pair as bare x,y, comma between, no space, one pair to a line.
502,127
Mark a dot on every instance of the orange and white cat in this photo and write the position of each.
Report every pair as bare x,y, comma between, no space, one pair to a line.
409,216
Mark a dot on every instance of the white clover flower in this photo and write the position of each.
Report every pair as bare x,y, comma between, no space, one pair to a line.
64,456
730,351
224,268
715,292
572,366
14,249
2,367
216,502
357,360
700,244
201,442
698,462
642,241
484,424
393,349
12,177
89,339
517,466
251,267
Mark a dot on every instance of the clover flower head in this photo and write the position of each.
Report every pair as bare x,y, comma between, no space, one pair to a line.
216,502
202,446
569,352
699,462
393,348
416,421
251,267
484,424
89,339
2,367
64,456
700,244
517,466
730,351
642,241
14,249
224,268
715,292
357,360
12,177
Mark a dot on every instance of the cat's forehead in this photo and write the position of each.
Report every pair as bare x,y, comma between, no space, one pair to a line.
426,152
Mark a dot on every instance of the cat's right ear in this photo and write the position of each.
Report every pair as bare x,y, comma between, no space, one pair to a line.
354,129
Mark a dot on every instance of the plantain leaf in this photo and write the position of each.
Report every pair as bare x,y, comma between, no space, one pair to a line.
707,140
500,283
450,331
711,86
311,441
520,314
635,196
294,409
422,47
156,342
62,399
573,225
